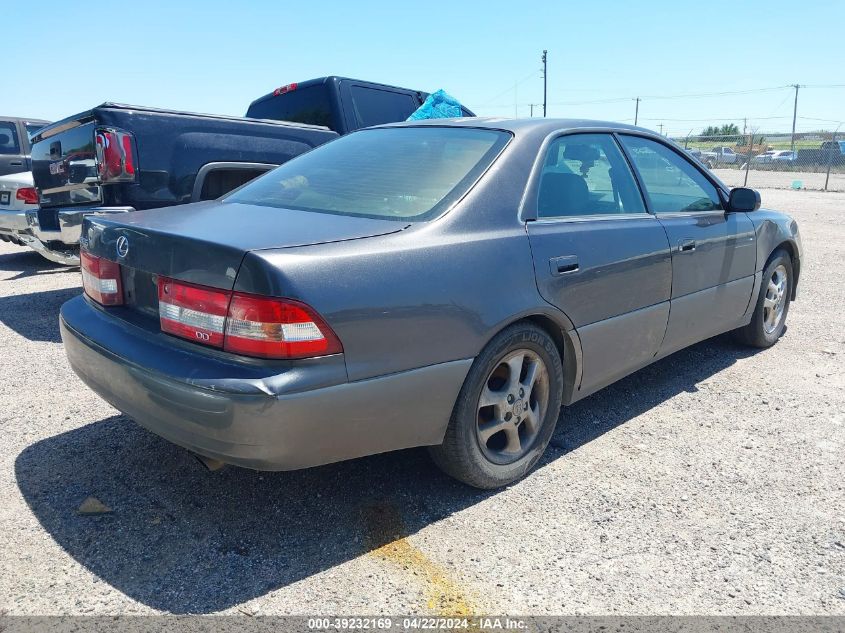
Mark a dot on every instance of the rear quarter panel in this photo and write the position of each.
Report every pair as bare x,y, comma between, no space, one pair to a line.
406,300
433,293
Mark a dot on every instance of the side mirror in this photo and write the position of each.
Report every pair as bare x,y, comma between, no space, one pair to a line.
743,199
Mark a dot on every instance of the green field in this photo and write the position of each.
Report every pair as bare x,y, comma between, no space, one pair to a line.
771,142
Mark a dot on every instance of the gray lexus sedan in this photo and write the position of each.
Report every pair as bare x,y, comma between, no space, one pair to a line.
447,284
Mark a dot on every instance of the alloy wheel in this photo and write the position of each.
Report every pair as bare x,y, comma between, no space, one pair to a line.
512,406
775,300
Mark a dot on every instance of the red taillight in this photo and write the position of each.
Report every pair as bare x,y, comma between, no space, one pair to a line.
28,194
115,158
101,279
241,323
277,328
192,312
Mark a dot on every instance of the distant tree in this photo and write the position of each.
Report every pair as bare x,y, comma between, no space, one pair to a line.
727,133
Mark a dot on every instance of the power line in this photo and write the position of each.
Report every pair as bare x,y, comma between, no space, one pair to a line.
716,118
809,118
694,95
489,103
665,97
715,94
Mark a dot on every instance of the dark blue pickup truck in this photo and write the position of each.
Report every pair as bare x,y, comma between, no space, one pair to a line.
116,158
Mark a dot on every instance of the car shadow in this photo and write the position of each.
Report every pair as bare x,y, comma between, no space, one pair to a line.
36,315
28,263
184,540
603,411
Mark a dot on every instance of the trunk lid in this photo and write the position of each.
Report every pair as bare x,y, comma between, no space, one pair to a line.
205,242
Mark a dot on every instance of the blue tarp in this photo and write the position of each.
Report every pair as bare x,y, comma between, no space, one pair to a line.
438,105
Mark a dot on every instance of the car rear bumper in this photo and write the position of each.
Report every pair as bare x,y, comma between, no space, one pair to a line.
304,414
12,220
12,225
65,224
57,238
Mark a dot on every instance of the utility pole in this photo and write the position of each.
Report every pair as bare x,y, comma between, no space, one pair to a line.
750,154
532,105
661,129
637,110
830,156
545,81
794,116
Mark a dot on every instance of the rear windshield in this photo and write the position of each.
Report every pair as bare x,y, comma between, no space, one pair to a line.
303,105
407,174
374,106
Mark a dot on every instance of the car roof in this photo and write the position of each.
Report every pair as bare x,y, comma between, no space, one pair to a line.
518,126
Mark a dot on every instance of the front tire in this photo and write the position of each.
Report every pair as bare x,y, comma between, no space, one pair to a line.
506,410
769,320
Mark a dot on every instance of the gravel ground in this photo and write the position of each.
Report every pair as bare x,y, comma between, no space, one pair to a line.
708,483
759,178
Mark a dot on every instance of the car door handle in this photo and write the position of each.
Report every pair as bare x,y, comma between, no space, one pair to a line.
686,246
564,264
16,163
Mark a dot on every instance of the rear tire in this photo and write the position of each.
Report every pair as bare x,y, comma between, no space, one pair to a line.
506,410
769,320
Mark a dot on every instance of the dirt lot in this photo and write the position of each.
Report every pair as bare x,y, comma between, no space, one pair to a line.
711,482
760,178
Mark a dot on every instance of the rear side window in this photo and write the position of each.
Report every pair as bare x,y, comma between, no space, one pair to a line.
309,105
586,174
671,182
8,138
402,173
373,106
32,128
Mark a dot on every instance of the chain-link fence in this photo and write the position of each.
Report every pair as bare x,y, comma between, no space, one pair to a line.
805,161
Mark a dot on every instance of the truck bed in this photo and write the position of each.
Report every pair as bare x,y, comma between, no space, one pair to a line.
172,147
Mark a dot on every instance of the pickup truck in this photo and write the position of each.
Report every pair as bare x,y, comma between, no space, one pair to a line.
719,156
829,152
118,158
14,143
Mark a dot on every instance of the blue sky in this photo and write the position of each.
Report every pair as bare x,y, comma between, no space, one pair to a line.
216,56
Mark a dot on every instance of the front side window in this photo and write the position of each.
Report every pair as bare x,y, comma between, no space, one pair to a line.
401,173
671,182
586,174
8,138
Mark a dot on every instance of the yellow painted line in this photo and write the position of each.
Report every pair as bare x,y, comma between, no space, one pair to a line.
386,540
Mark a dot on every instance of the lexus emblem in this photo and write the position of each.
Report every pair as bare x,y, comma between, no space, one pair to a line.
122,246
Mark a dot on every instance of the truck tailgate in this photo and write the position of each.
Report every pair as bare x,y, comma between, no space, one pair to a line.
64,166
